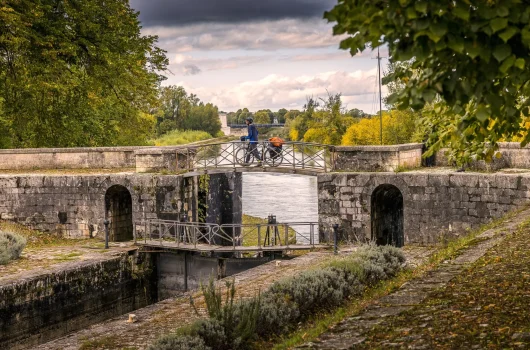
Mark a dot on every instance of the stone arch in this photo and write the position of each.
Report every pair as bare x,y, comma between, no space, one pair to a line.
118,210
387,216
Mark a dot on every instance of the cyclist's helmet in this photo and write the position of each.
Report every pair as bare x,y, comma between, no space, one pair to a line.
250,120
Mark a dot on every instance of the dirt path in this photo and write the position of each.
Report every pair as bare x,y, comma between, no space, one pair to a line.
480,300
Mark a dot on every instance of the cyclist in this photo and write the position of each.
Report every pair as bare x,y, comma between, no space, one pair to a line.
253,141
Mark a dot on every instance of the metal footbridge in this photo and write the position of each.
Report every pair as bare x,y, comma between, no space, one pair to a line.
228,238
291,157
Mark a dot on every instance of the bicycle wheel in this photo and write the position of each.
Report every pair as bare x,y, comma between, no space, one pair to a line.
273,157
241,156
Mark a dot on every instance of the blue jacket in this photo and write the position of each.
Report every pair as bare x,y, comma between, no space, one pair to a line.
252,133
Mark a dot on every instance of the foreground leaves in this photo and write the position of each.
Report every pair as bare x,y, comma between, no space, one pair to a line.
472,55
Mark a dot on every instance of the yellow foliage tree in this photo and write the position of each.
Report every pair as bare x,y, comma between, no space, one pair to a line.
398,127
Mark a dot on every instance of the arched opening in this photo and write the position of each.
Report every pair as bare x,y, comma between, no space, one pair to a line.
118,210
387,216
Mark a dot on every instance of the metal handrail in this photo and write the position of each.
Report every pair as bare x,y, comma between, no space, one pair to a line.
293,155
235,235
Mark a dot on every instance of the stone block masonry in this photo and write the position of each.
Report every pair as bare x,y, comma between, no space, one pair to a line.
75,205
378,158
37,309
435,205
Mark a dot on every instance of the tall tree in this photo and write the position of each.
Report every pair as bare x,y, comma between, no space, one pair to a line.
203,117
75,73
262,117
474,54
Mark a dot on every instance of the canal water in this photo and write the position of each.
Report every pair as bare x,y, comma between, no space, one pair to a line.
290,197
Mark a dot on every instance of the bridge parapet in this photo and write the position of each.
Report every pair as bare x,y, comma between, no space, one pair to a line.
293,156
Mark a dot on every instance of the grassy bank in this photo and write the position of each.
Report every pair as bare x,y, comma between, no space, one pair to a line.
323,321
181,137
250,233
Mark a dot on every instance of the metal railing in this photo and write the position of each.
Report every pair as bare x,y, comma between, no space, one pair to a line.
244,126
292,155
177,234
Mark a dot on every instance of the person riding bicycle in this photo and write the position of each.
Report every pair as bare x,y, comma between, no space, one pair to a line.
253,141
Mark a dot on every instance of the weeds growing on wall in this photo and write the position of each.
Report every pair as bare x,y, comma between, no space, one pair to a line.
11,246
235,325
202,197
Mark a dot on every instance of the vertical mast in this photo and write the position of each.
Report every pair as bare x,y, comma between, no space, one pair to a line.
380,97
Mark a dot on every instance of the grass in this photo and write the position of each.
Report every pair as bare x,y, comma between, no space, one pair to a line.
108,342
181,137
68,256
320,323
36,239
486,306
250,233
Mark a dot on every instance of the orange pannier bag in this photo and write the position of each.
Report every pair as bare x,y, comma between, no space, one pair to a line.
276,141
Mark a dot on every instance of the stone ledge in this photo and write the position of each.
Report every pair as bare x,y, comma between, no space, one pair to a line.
391,148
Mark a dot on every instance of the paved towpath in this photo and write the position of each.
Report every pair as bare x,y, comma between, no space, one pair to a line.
480,300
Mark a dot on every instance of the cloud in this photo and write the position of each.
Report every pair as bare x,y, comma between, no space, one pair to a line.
185,12
189,65
191,69
277,91
263,35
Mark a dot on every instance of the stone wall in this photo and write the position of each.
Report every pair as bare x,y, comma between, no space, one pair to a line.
378,158
144,159
68,158
75,205
435,205
45,307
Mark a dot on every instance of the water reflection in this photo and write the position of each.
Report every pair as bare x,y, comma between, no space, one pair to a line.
292,198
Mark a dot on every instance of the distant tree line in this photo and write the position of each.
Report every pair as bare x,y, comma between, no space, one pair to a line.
178,110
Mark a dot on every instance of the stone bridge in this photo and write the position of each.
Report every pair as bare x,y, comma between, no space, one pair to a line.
358,193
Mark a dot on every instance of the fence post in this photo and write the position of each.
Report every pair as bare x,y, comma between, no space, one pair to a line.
335,237
259,237
325,163
106,223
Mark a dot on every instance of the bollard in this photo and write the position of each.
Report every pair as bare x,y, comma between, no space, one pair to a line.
106,223
335,237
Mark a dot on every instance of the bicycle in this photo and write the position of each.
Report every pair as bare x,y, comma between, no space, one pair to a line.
270,155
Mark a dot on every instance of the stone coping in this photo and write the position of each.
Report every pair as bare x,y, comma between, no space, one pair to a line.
157,150
385,148
86,149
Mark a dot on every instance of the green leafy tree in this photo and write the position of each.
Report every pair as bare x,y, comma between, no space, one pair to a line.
262,117
280,115
203,117
75,73
292,114
357,113
329,123
473,54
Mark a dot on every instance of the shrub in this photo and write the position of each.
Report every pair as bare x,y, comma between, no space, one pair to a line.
178,342
180,137
11,246
231,325
292,300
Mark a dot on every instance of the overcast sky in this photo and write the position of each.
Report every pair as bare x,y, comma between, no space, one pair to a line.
257,53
